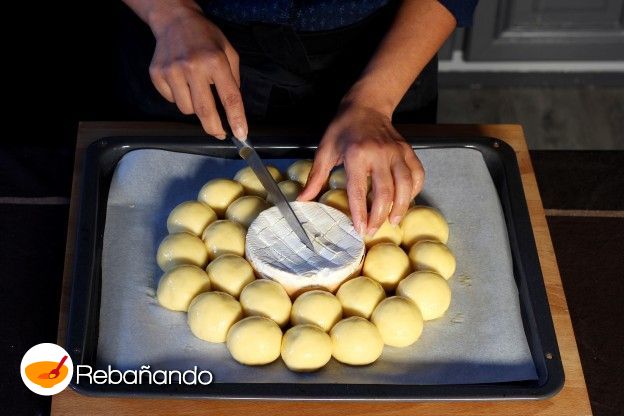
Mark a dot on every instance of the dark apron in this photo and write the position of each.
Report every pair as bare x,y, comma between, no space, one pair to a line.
290,77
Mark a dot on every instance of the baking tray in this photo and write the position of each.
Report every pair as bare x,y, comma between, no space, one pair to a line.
100,161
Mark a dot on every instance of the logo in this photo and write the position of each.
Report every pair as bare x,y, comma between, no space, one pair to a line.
46,369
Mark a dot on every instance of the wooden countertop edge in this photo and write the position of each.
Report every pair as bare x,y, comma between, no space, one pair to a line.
572,399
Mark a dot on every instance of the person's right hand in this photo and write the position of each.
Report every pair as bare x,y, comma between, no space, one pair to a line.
192,53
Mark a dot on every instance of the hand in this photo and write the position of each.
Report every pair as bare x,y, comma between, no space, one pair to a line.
192,53
366,142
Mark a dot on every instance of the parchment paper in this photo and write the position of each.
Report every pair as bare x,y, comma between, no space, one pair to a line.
479,340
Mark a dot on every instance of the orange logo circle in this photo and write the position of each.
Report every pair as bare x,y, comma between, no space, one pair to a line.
46,369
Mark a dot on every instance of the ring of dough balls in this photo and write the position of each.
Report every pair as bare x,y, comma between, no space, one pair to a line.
299,171
290,189
336,198
399,321
423,223
338,180
191,216
266,298
224,237
255,340
230,273
212,314
306,348
181,248
316,307
251,183
179,286
429,291
433,256
220,193
387,263
245,209
360,296
387,233
356,341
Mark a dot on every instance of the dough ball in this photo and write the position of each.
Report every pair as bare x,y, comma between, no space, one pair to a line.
224,237
399,321
336,198
429,291
433,256
181,248
191,217
338,180
356,341
387,263
230,273
266,298
316,307
299,171
290,189
306,348
251,183
211,315
255,340
178,287
245,209
423,223
220,193
360,296
387,233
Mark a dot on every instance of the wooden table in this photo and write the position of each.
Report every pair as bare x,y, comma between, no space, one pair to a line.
572,400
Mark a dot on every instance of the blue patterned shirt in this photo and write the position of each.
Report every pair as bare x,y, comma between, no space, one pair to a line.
315,15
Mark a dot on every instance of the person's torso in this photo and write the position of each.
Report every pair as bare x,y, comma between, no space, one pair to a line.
301,15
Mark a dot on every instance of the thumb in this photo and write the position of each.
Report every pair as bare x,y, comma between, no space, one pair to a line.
324,161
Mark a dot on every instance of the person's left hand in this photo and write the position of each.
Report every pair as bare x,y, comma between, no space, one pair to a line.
364,140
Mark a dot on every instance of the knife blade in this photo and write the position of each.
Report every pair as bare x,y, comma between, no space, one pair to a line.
247,152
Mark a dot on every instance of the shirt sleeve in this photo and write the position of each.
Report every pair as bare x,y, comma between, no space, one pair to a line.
461,9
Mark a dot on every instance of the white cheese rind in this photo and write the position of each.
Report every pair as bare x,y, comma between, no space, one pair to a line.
276,253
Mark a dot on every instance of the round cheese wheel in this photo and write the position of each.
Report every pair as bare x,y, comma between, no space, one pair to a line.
399,321
387,263
266,298
224,237
387,233
306,348
336,198
255,340
423,223
192,217
434,256
317,307
230,273
245,209
429,291
211,314
356,341
251,183
290,189
276,253
219,194
178,287
360,296
181,248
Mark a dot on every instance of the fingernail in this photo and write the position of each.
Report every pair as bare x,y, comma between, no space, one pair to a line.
372,231
395,220
239,132
361,229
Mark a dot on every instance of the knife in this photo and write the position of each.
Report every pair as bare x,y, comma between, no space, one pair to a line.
247,152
